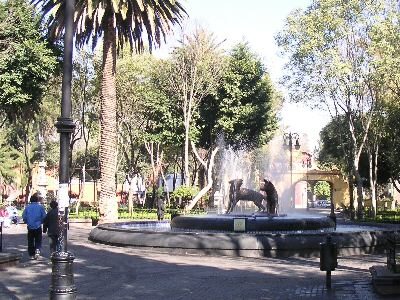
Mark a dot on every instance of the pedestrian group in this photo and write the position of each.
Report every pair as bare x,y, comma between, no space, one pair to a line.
35,216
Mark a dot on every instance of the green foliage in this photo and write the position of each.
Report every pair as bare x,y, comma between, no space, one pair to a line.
335,62
85,112
390,145
9,158
22,136
144,114
137,214
334,145
26,61
322,190
335,148
118,22
315,39
244,108
185,192
89,158
45,129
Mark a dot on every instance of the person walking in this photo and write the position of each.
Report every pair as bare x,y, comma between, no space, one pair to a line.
4,217
50,225
33,216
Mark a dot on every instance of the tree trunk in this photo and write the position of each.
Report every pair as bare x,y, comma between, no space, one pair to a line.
28,188
209,185
372,182
166,187
360,208
351,195
187,173
81,190
108,137
130,196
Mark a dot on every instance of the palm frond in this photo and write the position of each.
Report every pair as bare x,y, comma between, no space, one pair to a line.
132,19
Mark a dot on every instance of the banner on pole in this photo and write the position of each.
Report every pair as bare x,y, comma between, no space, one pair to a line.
63,198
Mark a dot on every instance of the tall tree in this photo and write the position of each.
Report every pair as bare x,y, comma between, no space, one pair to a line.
244,107
330,65
390,145
8,161
335,146
118,22
194,71
26,60
85,114
147,119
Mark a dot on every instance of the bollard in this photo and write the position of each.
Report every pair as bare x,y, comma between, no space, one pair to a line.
328,258
62,281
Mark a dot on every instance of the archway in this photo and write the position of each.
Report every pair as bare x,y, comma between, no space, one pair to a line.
339,191
313,194
339,187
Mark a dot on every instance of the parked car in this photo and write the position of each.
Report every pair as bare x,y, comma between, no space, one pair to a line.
323,203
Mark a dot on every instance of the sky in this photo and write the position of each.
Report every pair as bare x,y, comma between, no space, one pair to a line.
256,22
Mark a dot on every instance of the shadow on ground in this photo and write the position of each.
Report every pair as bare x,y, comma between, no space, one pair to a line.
108,272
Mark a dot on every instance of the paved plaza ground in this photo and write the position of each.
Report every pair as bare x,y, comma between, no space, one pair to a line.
108,272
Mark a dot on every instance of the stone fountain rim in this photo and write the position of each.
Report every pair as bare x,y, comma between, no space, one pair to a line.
240,244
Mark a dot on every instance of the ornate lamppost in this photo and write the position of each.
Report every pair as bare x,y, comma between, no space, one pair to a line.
288,139
62,278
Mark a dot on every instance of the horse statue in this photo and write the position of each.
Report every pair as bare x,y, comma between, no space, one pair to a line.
237,193
272,196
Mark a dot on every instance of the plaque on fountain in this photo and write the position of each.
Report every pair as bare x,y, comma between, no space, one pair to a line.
239,224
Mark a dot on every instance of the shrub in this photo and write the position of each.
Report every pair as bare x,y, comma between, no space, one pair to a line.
185,192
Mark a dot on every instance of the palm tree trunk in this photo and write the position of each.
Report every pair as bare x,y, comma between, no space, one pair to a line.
108,140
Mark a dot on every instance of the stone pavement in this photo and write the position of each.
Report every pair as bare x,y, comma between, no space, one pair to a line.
108,272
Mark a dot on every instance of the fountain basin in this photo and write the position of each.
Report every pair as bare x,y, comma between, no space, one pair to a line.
252,223
351,240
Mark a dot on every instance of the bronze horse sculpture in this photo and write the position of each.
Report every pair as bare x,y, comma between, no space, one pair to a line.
272,196
237,193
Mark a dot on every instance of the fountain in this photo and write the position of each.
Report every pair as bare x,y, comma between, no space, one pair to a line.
242,231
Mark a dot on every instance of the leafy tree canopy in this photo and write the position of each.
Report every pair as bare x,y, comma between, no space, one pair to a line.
26,61
335,144
8,160
245,105
322,190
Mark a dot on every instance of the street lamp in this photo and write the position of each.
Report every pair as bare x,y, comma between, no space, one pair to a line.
62,277
288,139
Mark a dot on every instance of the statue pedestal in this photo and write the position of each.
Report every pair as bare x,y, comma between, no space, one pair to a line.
42,180
384,281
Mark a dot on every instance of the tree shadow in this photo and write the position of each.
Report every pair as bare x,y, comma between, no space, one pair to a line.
111,272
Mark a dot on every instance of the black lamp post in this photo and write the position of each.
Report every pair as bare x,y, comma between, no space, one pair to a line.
62,277
288,139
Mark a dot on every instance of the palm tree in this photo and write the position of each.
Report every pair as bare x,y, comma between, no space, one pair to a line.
118,22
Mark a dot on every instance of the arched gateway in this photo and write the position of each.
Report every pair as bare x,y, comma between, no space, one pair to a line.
292,187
